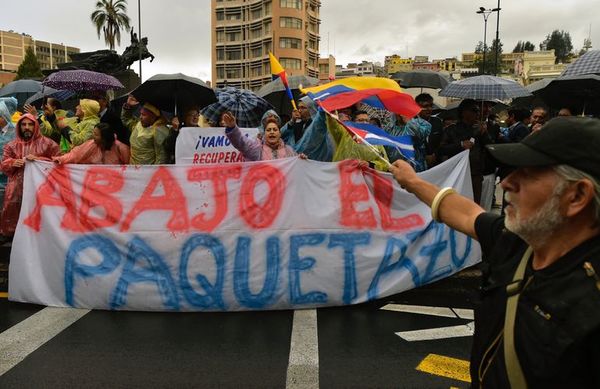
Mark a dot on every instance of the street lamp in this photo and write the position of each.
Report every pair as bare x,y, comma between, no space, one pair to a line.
486,14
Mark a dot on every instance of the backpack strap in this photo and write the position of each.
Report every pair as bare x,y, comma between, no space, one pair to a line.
511,359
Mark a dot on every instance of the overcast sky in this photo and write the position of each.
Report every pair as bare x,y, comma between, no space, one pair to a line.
178,31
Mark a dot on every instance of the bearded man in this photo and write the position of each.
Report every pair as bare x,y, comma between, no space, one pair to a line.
538,323
29,144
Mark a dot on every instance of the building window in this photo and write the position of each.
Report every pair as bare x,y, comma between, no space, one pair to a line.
220,54
233,55
220,15
220,36
234,36
257,52
290,4
268,8
287,22
290,63
267,28
234,16
257,14
290,43
256,33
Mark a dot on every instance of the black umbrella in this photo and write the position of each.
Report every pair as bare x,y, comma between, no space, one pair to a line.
579,92
274,92
422,79
170,91
21,90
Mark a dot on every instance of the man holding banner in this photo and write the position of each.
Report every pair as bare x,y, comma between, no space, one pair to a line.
539,321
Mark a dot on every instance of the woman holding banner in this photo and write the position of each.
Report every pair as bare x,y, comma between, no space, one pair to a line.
270,147
102,149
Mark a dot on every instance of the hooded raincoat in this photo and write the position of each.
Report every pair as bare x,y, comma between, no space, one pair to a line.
82,131
263,120
8,106
92,154
19,148
147,143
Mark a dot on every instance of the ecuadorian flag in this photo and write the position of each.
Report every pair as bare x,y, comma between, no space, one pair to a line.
277,71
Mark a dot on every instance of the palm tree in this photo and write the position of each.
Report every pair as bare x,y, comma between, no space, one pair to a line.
110,17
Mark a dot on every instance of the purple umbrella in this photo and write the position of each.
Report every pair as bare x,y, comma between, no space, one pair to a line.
82,80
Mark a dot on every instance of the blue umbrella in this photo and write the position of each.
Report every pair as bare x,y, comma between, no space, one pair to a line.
589,63
245,105
484,88
49,92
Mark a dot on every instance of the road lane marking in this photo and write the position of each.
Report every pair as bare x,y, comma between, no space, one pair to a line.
457,369
303,366
4,295
438,333
431,311
22,339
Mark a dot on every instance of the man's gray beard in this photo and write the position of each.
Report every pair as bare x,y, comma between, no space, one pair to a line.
538,228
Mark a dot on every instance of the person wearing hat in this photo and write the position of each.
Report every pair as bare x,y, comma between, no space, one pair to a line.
8,106
148,133
538,323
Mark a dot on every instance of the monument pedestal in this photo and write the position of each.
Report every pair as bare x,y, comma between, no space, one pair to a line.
129,79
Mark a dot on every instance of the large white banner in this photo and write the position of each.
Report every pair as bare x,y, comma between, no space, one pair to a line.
201,146
284,234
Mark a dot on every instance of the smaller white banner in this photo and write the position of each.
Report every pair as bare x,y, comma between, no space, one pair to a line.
200,146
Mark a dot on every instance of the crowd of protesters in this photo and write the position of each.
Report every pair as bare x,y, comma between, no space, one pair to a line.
140,134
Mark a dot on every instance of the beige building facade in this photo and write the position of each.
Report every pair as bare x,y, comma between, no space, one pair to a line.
14,45
244,31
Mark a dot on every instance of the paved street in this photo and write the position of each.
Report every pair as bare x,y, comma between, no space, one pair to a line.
371,345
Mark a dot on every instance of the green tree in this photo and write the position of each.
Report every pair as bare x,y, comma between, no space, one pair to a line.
560,41
110,17
30,67
490,57
523,46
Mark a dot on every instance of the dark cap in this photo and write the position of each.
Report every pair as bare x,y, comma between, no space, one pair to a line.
573,141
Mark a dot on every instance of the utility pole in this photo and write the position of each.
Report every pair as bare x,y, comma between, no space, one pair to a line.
497,39
140,37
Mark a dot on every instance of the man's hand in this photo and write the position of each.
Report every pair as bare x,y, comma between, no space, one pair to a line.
228,120
32,157
60,124
302,156
18,163
30,109
403,172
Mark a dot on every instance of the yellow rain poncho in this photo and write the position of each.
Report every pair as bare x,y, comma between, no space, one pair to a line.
83,131
146,143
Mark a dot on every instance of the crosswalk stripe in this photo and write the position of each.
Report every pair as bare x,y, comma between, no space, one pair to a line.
22,339
303,366
438,333
457,369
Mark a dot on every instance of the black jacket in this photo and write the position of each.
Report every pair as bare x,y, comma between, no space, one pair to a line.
557,327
